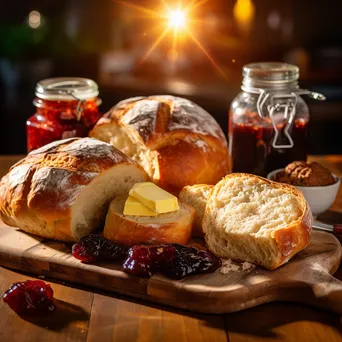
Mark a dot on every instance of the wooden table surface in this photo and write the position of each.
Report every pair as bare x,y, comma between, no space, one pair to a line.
87,315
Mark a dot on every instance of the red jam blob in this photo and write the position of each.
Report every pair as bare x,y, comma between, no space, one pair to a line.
251,147
31,297
174,261
94,247
144,261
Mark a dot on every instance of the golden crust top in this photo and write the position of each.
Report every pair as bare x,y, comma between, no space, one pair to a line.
162,117
49,179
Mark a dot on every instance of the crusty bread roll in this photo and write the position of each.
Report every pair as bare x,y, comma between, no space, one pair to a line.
177,142
62,190
253,219
196,196
173,227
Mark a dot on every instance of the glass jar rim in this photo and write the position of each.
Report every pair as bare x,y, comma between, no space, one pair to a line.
44,103
271,72
66,89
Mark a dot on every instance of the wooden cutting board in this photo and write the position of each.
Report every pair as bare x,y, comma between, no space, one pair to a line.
306,278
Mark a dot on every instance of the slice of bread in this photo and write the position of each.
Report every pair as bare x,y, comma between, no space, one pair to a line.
197,197
173,227
253,219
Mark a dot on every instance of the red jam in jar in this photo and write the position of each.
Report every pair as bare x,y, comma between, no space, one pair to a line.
253,151
65,107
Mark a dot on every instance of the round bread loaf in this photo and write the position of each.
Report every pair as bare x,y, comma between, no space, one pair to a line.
62,191
177,142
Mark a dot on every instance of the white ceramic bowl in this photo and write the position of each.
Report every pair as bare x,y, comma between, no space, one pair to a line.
320,198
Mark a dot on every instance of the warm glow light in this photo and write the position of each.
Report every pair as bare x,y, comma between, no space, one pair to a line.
177,18
244,11
34,19
180,27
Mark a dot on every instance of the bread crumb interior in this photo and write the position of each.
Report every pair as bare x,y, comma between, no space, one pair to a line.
91,206
247,206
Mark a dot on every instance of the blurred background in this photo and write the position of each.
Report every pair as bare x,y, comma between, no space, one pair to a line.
108,41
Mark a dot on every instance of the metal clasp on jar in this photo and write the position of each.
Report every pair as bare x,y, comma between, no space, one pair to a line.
276,105
80,103
289,108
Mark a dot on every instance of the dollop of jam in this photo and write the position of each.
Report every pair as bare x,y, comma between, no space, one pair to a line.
31,297
173,260
94,247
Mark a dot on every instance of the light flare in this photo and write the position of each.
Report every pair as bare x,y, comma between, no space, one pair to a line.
194,4
139,8
199,44
178,21
174,50
155,44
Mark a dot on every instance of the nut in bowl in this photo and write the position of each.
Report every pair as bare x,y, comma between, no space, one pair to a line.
319,197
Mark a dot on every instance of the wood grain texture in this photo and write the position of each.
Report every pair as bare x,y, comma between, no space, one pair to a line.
283,322
306,278
121,320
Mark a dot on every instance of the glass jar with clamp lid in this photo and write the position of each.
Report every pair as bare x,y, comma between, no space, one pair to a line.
268,120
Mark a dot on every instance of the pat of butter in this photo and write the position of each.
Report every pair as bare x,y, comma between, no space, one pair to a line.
154,197
134,208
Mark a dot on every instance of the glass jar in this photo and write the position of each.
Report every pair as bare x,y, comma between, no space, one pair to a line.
268,120
65,107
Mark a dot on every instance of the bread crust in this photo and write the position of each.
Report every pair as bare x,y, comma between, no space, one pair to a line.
187,144
288,240
127,230
38,192
196,196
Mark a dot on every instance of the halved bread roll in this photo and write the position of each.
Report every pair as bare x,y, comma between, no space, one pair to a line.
197,197
173,227
253,219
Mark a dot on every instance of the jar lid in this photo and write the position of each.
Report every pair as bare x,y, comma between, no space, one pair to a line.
66,88
270,73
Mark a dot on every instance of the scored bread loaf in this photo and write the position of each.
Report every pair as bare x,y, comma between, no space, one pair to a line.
62,190
177,142
253,219
196,196
173,227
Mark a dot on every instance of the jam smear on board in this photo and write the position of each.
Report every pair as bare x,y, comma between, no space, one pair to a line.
95,247
173,260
